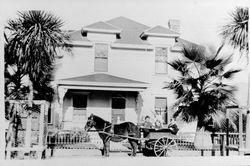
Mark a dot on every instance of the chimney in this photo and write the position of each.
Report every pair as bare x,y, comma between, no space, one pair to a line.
174,25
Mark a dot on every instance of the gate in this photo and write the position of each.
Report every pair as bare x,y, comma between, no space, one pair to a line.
27,139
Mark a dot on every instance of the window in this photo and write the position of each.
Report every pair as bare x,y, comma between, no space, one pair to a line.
101,57
79,101
118,108
161,60
161,108
118,103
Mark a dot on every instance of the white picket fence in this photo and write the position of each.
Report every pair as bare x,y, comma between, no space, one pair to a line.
80,140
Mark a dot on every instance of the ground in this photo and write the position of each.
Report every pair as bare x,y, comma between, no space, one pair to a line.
90,153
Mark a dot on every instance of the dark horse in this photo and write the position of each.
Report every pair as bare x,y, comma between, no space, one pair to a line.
126,129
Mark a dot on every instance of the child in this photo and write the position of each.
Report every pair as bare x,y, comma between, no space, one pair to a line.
158,124
173,126
147,123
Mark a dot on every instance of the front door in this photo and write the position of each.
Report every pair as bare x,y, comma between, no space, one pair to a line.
118,108
79,109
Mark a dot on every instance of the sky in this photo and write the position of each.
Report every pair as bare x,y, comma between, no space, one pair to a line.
201,20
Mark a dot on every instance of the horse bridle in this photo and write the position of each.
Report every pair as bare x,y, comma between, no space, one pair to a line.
91,124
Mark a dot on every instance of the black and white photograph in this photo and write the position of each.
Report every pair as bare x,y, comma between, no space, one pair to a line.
125,82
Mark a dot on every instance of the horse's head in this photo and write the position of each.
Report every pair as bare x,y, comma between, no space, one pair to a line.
90,123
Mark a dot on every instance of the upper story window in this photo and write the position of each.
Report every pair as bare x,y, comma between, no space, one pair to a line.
161,55
101,57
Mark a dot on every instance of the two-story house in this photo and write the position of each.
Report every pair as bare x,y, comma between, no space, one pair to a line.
117,70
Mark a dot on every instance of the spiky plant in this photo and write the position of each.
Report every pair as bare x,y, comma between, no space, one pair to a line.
32,41
200,90
235,32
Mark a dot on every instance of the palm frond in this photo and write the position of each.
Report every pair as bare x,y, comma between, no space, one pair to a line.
194,53
180,66
32,43
236,31
177,87
230,73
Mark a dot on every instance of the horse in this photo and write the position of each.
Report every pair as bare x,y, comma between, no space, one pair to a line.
115,133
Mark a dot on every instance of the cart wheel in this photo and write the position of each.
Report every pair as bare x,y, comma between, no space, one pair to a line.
165,147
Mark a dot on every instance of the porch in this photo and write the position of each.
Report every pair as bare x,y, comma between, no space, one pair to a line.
113,98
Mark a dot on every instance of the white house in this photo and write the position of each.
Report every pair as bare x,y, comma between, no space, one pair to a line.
117,70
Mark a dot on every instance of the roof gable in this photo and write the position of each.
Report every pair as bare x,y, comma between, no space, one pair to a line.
126,23
101,78
77,36
131,31
102,26
161,30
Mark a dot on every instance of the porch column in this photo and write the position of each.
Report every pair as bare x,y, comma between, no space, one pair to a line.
139,104
61,93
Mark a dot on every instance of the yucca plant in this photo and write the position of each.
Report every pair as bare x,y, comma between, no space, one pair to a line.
32,41
201,93
235,32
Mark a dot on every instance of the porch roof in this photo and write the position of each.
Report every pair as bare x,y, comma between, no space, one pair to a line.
101,81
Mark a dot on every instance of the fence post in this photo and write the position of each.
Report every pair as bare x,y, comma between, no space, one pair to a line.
222,145
240,132
227,135
41,131
213,144
8,152
202,152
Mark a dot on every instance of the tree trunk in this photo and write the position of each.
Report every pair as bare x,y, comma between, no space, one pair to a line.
10,133
29,116
202,139
248,111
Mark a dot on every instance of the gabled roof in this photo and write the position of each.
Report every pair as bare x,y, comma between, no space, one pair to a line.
181,42
126,23
102,80
77,36
131,31
101,27
160,31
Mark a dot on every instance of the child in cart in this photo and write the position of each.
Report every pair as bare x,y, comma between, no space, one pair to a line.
172,126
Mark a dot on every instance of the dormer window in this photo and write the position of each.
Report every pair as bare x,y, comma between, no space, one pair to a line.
101,57
161,55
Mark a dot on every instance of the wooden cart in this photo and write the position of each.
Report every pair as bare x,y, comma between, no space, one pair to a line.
158,142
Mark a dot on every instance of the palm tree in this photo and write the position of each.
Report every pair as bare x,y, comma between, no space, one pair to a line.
235,32
31,48
200,89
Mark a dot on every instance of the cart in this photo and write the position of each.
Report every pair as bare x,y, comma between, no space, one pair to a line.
154,142
158,143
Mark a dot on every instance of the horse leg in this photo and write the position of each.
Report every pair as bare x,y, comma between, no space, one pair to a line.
107,148
133,144
104,149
